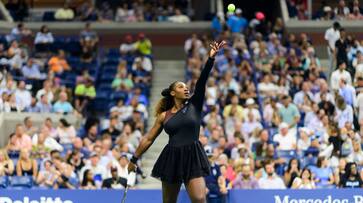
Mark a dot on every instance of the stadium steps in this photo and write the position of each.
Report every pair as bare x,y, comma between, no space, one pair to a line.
164,73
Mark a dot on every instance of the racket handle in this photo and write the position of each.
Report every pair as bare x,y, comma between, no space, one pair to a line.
131,178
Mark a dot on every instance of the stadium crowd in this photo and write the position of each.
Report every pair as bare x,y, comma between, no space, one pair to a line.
108,92
273,117
344,10
107,11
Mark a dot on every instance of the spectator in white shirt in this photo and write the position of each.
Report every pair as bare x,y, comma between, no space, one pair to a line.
49,142
127,47
97,169
266,87
179,17
43,39
22,95
286,138
251,108
339,74
145,61
331,36
65,132
271,181
47,85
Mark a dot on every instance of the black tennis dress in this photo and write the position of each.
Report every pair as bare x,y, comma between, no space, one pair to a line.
184,158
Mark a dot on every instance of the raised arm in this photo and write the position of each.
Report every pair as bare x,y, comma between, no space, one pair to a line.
199,92
147,141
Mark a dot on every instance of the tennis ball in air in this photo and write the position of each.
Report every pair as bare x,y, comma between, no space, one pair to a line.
231,7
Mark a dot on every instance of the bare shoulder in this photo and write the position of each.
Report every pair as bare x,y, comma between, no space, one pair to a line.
161,117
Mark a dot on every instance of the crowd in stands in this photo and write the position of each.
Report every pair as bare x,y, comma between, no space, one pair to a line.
107,90
107,11
344,10
272,118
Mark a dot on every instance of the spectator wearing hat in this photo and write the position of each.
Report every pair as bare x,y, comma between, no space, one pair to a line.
286,139
143,44
327,13
99,171
127,47
85,93
145,63
236,23
251,108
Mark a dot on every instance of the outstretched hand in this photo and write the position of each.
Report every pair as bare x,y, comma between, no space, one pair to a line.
215,47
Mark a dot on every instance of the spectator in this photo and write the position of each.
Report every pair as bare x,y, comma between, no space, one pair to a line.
286,139
356,15
87,182
31,71
65,132
48,176
127,48
144,61
87,12
245,179
121,13
341,48
292,172
331,36
43,40
99,171
179,17
21,140
23,96
112,129
347,92
88,38
18,32
234,108
236,23
30,129
344,113
46,91
33,106
324,176
106,12
304,181
64,14
214,182
58,63
6,164
271,181
48,142
123,81
62,105
84,93
341,11
339,74
351,179
289,112
26,166
143,45
115,182
43,105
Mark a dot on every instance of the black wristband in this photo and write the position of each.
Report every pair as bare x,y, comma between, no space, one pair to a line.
133,159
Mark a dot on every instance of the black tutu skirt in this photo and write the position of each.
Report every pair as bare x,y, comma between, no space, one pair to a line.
178,164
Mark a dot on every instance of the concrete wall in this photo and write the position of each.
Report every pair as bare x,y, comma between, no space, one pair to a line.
8,121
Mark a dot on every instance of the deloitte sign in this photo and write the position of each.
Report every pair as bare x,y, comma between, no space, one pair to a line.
328,199
26,199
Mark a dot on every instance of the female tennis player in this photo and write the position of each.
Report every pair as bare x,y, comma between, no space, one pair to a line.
183,160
